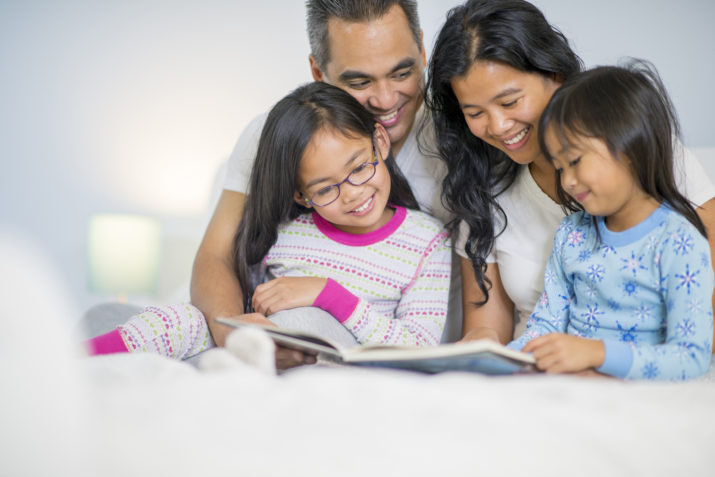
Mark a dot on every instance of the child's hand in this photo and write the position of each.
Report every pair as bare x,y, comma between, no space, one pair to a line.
562,353
285,293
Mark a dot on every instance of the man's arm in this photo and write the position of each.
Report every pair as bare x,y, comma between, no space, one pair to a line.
214,287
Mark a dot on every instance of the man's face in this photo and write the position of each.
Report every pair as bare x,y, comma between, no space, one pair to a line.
381,65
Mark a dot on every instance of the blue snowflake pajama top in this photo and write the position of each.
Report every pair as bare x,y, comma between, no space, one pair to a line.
646,292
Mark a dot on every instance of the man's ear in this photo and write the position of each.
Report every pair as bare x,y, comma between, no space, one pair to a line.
315,70
300,200
382,141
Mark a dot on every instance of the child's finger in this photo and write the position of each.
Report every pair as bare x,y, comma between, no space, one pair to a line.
536,343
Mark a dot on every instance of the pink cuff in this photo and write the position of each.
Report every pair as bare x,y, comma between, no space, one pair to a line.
336,300
107,343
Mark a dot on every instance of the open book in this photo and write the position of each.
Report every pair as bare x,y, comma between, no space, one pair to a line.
481,356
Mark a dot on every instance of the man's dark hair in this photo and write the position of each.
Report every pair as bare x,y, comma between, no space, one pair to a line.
319,12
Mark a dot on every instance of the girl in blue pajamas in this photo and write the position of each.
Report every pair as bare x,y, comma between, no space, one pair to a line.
628,286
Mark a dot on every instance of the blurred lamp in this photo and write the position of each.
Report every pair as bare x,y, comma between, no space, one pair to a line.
124,254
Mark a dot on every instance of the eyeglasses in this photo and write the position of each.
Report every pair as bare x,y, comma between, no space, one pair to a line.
360,175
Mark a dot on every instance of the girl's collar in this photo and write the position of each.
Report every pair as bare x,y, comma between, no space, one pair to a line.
357,240
636,232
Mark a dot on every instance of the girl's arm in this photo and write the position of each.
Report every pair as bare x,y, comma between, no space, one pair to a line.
707,215
687,288
420,315
493,320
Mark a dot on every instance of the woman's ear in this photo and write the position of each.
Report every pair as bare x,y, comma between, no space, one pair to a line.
300,200
382,141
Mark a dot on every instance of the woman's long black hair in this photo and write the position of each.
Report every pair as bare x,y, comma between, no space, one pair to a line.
288,130
514,33
628,108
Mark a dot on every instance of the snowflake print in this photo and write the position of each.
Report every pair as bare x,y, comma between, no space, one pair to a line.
584,256
687,349
687,279
685,328
682,243
567,302
591,291
642,313
549,276
695,307
614,305
606,249
630,288
650,370
575,238
595,272
652,243
704,260
633,264
544,300
628,335
591,317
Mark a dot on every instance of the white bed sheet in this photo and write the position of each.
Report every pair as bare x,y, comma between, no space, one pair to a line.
143,415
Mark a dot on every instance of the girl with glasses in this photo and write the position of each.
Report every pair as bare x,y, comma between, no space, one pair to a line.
331,240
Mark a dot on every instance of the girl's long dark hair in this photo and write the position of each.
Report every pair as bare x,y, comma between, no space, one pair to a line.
628,108
288,130
514,33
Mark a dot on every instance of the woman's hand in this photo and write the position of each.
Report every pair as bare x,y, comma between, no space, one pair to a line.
285,293
562,353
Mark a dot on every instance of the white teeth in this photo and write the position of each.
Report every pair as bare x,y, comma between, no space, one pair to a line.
517,138
364,206
388,117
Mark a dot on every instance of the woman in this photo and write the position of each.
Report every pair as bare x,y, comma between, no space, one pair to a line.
494,67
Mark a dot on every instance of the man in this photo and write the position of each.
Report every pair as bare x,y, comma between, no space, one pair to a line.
373,49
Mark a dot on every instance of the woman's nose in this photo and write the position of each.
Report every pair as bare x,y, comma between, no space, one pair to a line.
499,124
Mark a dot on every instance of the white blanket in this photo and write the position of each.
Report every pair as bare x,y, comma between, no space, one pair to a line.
143,415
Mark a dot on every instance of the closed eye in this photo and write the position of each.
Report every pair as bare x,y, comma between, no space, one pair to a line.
358,84
404,74
360,168
324,191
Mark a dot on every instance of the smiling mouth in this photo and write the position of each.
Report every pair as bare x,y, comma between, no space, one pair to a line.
389,120
518,137
581,196
365,206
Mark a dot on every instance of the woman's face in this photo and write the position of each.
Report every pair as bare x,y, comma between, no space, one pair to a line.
502,106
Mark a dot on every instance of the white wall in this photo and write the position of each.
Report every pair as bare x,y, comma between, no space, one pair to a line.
131,106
